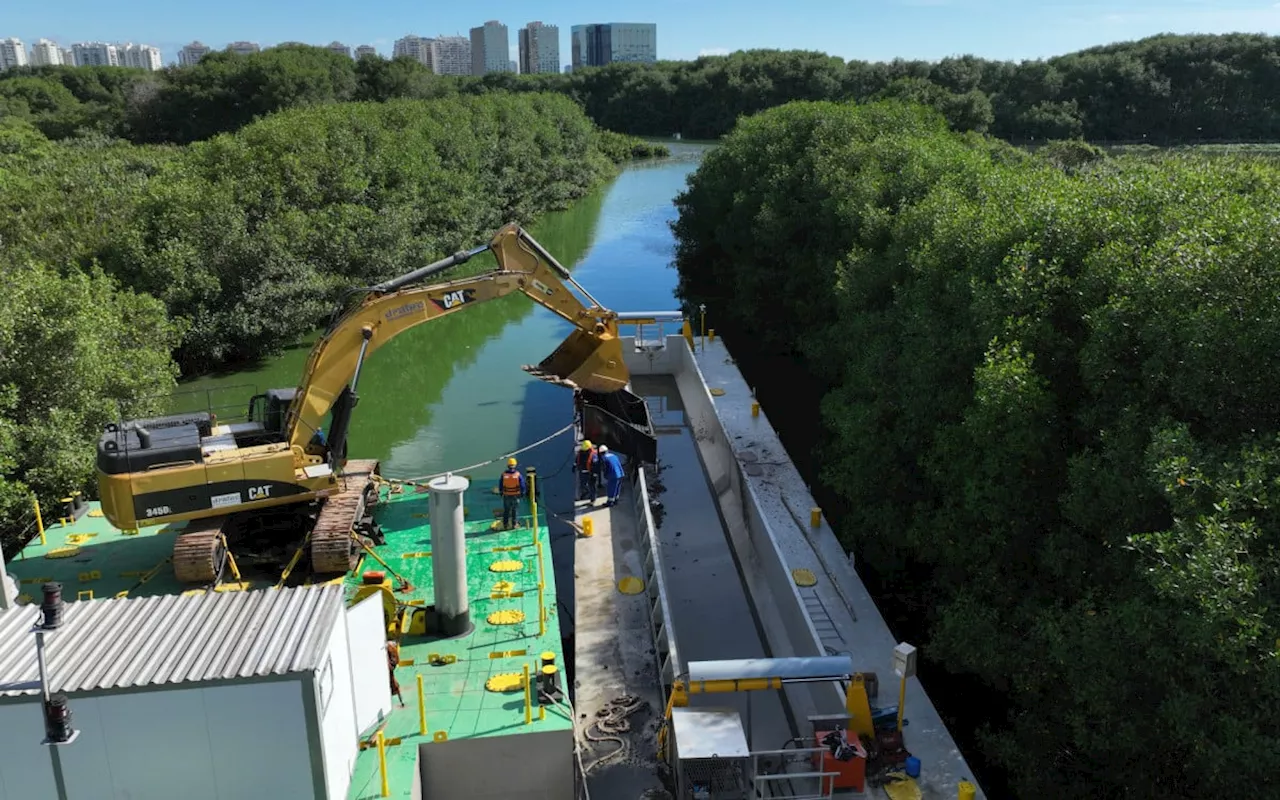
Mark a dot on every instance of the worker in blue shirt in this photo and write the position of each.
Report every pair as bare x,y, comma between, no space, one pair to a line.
512,487
611,471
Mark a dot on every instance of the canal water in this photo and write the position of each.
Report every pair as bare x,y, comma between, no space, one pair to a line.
450,393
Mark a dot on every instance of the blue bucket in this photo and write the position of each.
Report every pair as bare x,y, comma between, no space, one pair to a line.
913,766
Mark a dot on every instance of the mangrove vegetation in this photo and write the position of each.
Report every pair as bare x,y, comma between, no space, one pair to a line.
1050,420
125,265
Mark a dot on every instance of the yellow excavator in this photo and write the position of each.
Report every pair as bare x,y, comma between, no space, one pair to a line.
279,473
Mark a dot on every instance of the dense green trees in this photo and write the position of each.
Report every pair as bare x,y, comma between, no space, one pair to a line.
1161,90
115,256
1053,419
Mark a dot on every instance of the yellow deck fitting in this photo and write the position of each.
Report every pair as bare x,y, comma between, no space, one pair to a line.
717,392
96,512
232,586
63,552
503,586
506,565
79,538
504,595
505,682
84,594
509,654
419,554
35,580
803,577
24,598
631,585
194,592
440,736
91,575
588,527
129,532
509,616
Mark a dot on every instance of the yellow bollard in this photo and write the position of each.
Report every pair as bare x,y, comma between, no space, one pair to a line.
967,791
39,518
755,409
686,330
711,334
815,517
588,527
528,708
382,763
542,616
422,708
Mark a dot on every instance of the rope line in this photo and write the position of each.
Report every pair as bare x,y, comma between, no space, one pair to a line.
424,478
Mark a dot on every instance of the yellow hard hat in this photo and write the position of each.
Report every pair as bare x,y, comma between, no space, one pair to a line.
511,462
586,444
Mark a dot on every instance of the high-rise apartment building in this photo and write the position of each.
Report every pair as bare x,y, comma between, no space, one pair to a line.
490,48
539,48
340,48
416,47
45,53
95,54
451,55
190,55
366,50
599,44
13,53
244,48
140,56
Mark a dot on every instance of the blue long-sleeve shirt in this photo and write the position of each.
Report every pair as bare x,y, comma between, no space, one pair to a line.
611,466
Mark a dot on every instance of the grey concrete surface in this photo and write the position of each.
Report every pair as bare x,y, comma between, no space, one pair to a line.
842,616
525,767
614,653
713,614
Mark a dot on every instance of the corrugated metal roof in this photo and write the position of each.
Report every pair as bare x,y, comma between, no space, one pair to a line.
150,641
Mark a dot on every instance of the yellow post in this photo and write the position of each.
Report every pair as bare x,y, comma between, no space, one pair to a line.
967,791
815,517
528,707
702,309
542,617
755,409
588,527
382,763
39,518
533,500
902,700
422,708
711,334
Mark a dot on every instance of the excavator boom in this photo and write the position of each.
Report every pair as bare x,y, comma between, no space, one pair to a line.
279,470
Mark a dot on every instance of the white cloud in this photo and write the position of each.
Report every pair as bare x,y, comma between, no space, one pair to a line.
713,51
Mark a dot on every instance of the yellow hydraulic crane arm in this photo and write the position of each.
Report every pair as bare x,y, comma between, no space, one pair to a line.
590,358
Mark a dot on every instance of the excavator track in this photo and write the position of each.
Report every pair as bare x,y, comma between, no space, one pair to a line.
200,552
333,549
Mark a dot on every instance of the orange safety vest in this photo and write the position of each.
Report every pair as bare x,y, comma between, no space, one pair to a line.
511,484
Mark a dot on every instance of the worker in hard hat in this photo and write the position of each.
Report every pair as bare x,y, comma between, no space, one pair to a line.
512,487
588,485
611,471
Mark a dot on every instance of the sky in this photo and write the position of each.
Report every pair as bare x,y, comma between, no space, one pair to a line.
871,30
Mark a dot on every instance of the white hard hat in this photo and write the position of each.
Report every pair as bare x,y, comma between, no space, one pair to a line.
604,448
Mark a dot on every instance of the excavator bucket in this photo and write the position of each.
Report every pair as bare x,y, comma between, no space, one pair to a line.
585,361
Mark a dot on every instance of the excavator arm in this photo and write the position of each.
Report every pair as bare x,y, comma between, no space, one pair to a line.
591,358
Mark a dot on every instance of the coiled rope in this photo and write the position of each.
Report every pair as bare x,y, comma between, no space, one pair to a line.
612,721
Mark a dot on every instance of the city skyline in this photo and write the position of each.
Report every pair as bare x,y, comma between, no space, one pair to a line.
911,29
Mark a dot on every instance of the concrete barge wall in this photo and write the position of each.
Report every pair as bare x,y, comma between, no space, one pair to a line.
788,629
766,508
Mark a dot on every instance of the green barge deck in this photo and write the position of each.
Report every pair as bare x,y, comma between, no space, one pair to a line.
473,684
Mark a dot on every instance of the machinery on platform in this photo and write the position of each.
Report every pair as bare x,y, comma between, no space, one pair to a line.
279,473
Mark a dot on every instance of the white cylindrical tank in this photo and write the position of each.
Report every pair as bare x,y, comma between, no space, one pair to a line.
449,554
